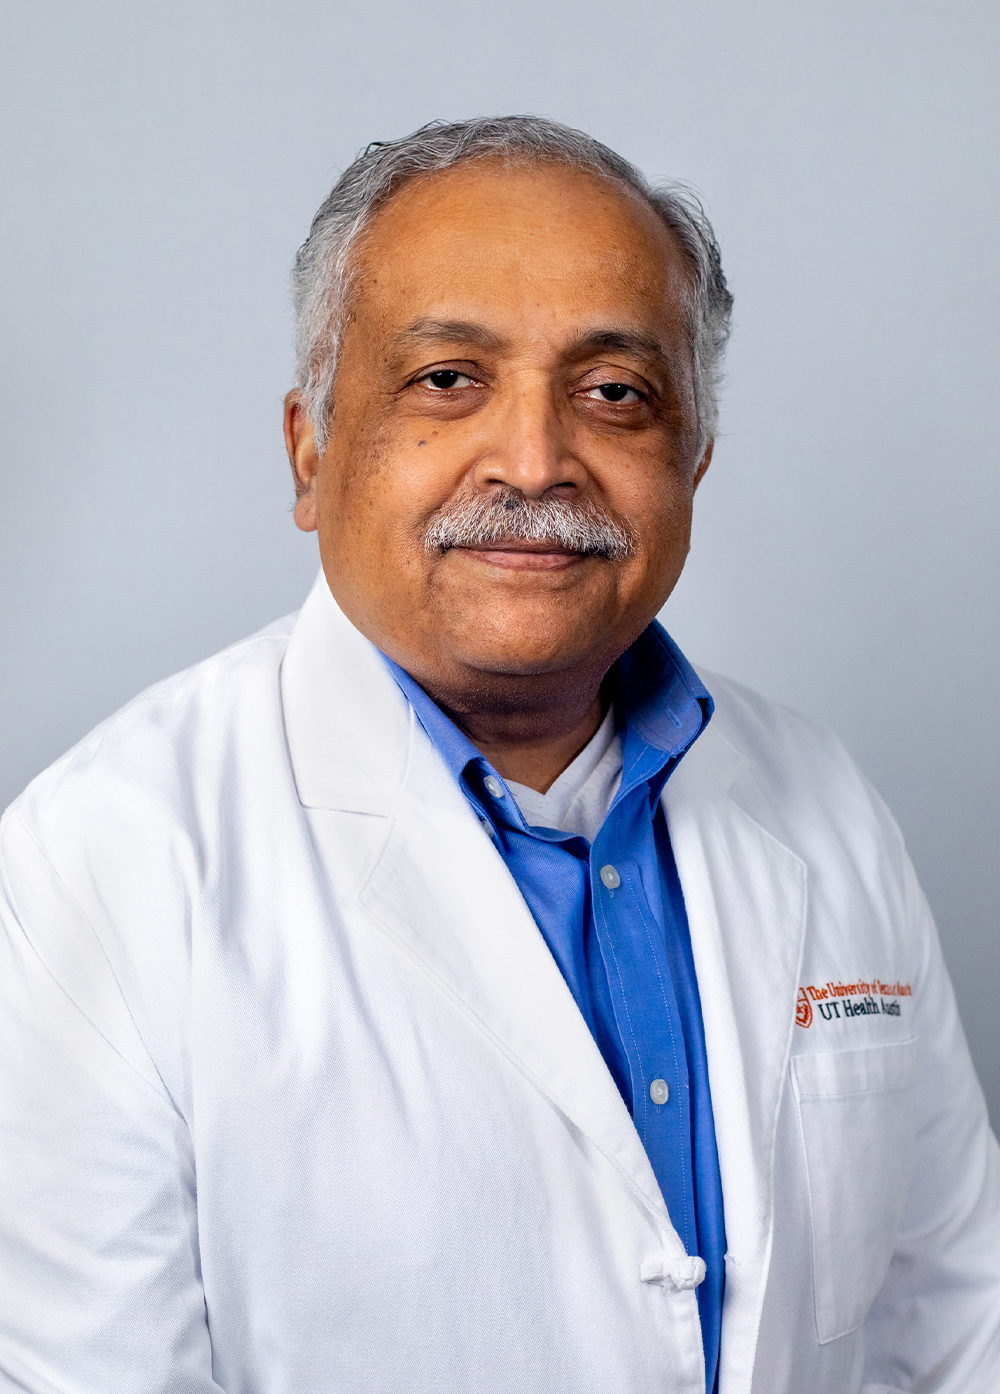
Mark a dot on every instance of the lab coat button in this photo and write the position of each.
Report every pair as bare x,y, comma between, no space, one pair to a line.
610,877
493,786
680,1274
687,1274
659,1091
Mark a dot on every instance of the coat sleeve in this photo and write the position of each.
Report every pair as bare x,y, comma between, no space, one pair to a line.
99,1273
935,1326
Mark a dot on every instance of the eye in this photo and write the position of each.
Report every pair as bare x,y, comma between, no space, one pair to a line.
444,379
617,392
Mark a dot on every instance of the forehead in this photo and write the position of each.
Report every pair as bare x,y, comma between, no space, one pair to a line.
542,247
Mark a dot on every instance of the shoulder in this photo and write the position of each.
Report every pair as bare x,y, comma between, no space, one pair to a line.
160,747
115,858
796,777
769,733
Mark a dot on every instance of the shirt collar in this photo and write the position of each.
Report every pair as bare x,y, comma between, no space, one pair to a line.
661,709
453,745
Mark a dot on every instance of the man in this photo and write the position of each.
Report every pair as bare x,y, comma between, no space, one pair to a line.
448,988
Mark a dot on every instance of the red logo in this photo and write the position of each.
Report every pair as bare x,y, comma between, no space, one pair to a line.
838,1001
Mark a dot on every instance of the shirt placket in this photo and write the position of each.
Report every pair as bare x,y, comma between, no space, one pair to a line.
647,1016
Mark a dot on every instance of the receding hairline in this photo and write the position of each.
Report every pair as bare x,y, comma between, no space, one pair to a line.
510,164
507,163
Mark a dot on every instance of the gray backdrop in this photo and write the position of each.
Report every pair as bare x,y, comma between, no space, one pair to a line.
162,161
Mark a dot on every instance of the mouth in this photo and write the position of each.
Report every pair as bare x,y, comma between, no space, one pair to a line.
525,556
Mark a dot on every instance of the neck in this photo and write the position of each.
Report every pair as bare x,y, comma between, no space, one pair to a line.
535,759
528,743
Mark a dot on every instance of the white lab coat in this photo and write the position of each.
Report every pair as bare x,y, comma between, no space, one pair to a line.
294,1100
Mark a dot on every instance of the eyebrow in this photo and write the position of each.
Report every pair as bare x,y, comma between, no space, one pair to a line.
450,331
612,339
629,341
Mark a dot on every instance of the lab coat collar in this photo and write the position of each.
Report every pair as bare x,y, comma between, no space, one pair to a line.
346,722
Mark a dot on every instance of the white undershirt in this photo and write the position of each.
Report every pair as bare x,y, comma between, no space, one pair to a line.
579,800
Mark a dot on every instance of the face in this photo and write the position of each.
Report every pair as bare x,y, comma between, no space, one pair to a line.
515,335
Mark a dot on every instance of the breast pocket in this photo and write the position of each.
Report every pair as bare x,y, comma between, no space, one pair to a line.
857,1121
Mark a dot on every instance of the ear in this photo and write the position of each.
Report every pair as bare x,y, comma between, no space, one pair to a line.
703,464
300,443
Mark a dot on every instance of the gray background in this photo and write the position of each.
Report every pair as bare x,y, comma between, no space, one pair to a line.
161,162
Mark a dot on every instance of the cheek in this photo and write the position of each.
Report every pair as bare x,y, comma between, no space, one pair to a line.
357,480
372,515
392,482
661,511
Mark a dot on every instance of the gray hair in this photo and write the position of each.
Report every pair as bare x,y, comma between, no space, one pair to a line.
506,515
321,276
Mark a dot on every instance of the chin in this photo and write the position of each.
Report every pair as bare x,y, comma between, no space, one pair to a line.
522,654
529,635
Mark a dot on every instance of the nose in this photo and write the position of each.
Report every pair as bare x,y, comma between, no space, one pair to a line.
530,447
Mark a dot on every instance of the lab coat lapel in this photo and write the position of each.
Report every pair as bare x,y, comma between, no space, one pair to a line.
444,895
441,892
439,888
745,894
345,718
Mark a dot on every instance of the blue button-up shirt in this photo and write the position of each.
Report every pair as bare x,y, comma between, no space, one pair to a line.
621,940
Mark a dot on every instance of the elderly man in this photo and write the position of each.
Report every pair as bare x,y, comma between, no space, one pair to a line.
448,989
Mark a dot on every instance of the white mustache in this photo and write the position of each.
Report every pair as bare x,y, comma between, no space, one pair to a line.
508,516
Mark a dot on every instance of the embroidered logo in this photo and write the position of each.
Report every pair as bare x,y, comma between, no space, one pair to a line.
837,1001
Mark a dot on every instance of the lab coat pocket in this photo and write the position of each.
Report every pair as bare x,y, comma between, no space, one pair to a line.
857,1121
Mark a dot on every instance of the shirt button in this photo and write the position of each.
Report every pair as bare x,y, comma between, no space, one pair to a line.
493,786
610,878
659,1091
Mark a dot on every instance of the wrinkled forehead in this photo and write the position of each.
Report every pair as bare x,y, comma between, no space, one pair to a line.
542,245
